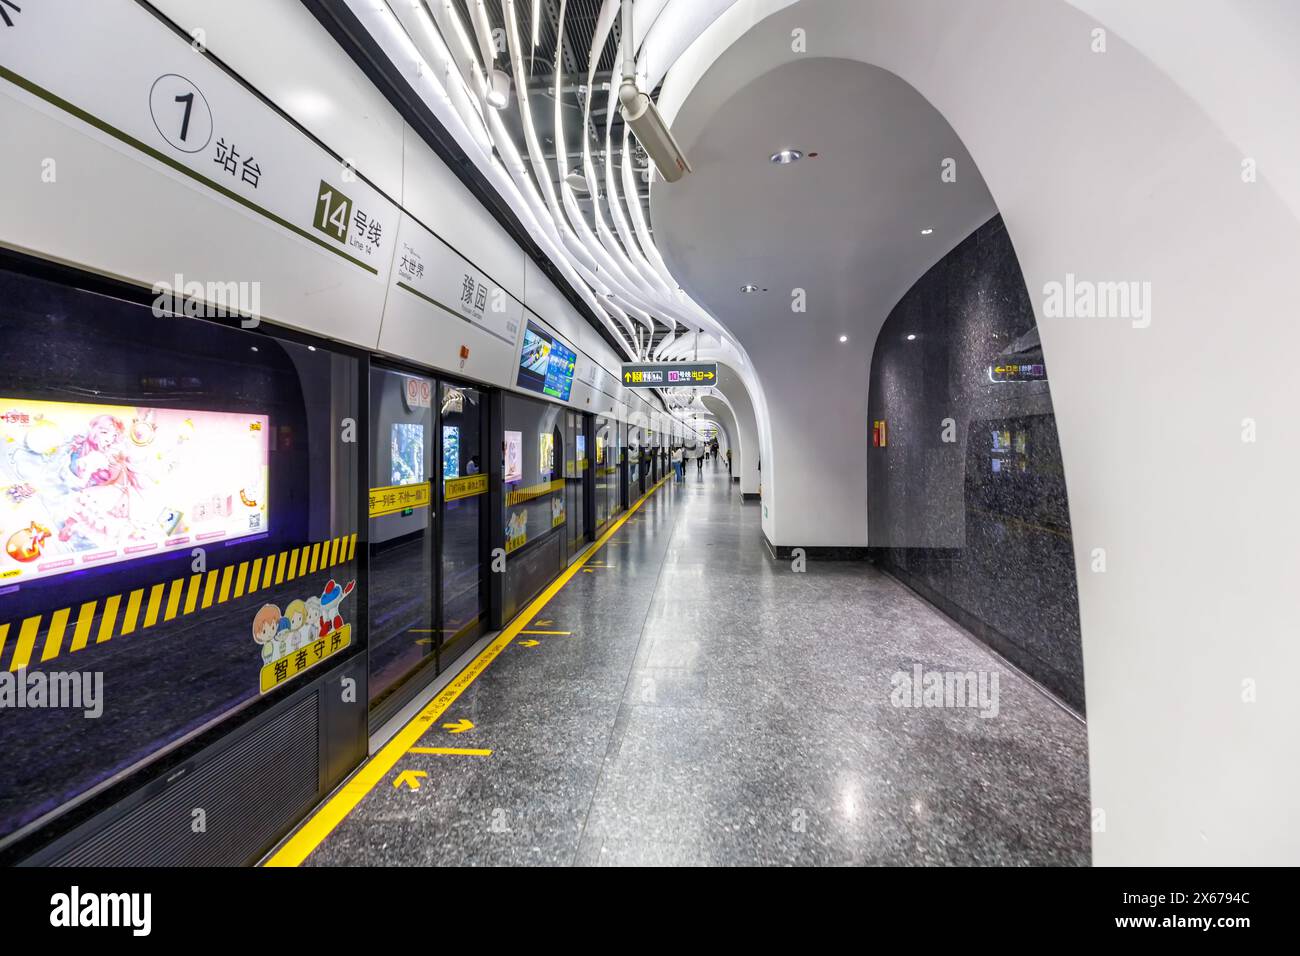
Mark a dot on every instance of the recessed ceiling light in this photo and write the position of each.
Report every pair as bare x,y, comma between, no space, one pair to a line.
787,156
926,231
844,338
749,289
912,337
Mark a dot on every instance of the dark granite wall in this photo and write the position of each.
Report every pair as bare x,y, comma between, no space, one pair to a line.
967,500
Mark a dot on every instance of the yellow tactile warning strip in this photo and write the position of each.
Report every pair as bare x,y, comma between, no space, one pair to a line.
331,813
69,629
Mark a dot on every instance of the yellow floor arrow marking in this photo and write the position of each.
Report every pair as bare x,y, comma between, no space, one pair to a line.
451,751
542,623
322,823
409,777
556,633
529,643
460,726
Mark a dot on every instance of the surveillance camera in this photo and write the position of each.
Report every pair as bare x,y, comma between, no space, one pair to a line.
641,114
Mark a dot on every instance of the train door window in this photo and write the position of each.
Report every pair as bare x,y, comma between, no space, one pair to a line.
464,513
179,511
402,541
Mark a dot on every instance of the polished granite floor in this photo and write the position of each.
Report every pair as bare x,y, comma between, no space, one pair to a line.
713,706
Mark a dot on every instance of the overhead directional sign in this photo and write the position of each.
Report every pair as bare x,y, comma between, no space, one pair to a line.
671,375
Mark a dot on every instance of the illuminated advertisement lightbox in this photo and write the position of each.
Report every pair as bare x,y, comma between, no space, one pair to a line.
85,486
406,454
546,455
450,451
512,457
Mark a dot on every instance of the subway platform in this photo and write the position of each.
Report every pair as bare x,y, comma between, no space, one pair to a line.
681,697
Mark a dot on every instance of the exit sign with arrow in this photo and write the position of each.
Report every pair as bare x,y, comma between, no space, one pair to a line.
671,375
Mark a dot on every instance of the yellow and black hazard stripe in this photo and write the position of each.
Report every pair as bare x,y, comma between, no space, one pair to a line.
69,629
521,495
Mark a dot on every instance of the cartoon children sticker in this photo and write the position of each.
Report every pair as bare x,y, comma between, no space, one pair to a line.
302,623
330,599
315,615
266,629
295,620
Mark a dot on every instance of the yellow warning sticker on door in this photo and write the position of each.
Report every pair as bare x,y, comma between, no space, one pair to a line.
467,487
395,498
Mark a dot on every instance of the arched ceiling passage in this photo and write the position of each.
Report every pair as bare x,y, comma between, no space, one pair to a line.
845,227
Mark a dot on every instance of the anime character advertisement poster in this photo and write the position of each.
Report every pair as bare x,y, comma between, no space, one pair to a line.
85,485
307,631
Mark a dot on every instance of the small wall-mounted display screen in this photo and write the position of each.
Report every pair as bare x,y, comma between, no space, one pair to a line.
546,364
86,485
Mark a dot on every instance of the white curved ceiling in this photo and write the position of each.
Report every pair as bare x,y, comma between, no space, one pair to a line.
558,55
845,226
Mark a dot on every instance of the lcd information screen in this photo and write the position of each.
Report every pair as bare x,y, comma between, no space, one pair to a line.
86,485
546,364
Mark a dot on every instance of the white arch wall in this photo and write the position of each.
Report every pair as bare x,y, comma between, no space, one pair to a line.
747,450
727,427
1107,167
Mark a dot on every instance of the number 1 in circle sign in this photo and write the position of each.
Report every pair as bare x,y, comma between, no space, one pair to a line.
180,113
333,212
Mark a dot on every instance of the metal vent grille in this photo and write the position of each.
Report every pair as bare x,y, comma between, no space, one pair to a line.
250,795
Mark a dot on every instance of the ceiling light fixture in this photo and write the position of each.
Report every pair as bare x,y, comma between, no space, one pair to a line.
498,94
749,289
787,156
912,337
926,231
577,182
844,338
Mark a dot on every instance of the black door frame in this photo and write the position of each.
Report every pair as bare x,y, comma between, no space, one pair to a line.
411,686
484,442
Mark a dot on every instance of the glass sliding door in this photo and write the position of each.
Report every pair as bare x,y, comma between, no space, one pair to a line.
534,501
605,470
464,503
575,479
633,467
616,465
402,540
